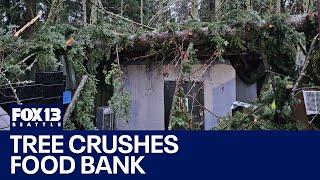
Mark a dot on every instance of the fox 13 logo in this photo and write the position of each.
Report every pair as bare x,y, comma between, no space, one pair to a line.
36,117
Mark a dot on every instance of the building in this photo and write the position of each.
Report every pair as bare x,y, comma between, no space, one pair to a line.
215,88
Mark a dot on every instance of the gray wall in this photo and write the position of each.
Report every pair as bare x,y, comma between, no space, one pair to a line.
220,93
147,89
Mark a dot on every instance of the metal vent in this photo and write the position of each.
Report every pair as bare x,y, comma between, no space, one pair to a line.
105,118
312,102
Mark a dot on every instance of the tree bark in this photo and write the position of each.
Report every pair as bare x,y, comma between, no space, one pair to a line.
141,12
84,9
30,14
299,22
93,14
318,8
194,9
248,4
161,6
74,99
310,5
217,6
302,75
278,7
121,7
26,26
53,15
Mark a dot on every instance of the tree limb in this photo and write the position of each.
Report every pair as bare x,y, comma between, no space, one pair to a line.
27,25
305,66
75,97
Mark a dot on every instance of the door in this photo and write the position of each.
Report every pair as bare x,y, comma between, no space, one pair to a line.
194,100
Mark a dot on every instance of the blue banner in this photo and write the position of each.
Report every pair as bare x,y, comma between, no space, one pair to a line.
214,155
37,147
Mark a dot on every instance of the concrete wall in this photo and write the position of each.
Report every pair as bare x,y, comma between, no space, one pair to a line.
220,93
147,89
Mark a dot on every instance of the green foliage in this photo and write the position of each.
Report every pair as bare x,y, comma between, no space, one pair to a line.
83,113
182,118
84,110
97,43
273,111
181,115
278,43
94,45
45,45
76,55
121,99
189,58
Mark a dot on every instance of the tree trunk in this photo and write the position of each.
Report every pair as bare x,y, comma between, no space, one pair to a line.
300,22
297,7
161,6
217,6
121,7
30,14
248,4
309,5
318,8
55,9
278,6
74,99
84,9
194,9
93,14
141,12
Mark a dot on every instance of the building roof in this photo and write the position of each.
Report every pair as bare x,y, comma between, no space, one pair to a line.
4,120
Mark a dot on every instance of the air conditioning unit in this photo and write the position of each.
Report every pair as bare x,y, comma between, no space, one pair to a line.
312,102
105,118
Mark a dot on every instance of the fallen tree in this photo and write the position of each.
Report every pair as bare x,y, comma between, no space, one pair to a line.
300,22
94,45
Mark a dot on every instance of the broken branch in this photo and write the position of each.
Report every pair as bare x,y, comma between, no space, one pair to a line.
27,25
305,66
74,99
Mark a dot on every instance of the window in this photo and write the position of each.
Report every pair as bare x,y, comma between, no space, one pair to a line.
312,102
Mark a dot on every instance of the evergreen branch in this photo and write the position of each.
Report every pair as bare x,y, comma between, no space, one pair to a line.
14,91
